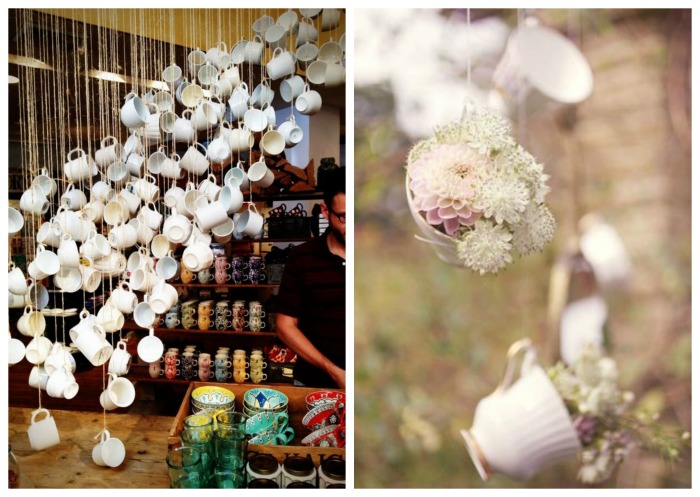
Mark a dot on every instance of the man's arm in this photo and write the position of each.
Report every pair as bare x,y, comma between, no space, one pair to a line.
288,331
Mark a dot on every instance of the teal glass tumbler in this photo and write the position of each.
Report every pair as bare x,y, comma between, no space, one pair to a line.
185,467
201,439
228,478
230,445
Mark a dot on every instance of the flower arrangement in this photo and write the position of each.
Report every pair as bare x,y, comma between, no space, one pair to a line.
605,419
480,192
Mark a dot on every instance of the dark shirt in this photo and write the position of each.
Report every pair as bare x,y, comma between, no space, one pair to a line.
313,290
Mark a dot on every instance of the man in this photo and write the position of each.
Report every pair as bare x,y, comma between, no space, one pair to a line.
311,298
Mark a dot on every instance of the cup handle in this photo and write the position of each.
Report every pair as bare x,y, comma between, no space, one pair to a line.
39,411
524,345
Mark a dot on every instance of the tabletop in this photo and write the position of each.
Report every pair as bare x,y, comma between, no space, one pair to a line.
69,464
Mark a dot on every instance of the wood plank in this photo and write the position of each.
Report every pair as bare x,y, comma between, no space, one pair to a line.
69,464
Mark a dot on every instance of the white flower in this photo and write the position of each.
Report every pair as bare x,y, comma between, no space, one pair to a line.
486,248
608,369
588,473
535,229
502,197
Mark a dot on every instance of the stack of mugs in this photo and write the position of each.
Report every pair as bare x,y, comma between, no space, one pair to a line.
222,317
238,267
222,365
256,367
221,267
187,314
204,313
204,361
238,315
188,363
255,316
255,270
239,366
171,317
171,361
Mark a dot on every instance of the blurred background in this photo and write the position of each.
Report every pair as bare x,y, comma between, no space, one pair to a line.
431,339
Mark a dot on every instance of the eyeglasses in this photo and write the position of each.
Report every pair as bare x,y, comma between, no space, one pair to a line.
341,217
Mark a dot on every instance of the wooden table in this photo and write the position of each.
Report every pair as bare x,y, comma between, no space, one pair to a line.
69,464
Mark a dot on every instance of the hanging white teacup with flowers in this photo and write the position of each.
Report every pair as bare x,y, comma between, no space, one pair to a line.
477,195
523,425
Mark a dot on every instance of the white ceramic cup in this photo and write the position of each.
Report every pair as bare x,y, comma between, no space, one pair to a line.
102,191
281,65
262,94
73,198
69,279
211,215
306,32
134,113
110,317
34,201
120,391
80,166
167,267
122,236
223,232
110,151
231,198
90,339
240,139
129,199
272,143
68,253
523,425
43,433
160,246
16,282
196,59
163,297
238,175
47,184
143,280
38,349
38,377
124,298
204,116
195,160
250,221
171,168
115,213
15,351
120,362
259,173
150,348
316,72
172,75
174,194
291,132
109,451
150,216
291,88
198,256
177,228
31,322
219,150
15,221
309,102
94,210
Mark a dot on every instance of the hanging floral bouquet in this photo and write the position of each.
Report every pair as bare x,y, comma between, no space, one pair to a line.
607,424
477,195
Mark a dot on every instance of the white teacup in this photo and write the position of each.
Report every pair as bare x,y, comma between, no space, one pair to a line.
198,256
150,216
146,188
253,51
231,198
38,349
291,88
124,298
102,191
134,113
219,150
150,348
68,253
281,65
115,213
330,19
110,317
250,222
196,59
15,351
160,246
109,451
120,362
15,221
174,194
94,210
275,37
172,75
120,392
73,198
171,168
130,200
122,236
335,73
272,143
523,425
306,32
69,279
46,183
16,282
110,151
259,173
211,215
80,166
240,139
143,280
195,160
38,377
31,322
34,201
177,228
309,102
95,246
238,175
291,132
144,315
163,297
223,232
90,339
168,267
43,433
48,262
262,94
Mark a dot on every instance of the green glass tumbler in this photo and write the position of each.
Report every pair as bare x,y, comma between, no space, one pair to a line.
232,419
230,445
228,478
185,467
202,439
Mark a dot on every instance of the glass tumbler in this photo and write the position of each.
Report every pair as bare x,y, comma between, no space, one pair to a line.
185,468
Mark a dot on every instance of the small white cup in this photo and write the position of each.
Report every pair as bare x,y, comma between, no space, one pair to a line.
43,433
259,173
250,221
109,451
309,102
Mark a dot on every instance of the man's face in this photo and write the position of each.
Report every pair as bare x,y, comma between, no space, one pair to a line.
332,213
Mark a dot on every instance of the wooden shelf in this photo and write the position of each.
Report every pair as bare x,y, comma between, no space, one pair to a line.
224,285
131,326
273,240
283,197
140,374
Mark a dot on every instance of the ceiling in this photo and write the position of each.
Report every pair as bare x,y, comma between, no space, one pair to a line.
63,100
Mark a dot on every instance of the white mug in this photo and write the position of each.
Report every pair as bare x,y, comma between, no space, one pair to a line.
309,102
231,198
43,433
73,198
80,166
15,351
124,298
150,348
281,65
291,132
109,451
68,253
272,143
110,317
195,160
122,236
16,282
250,222
211,215
172,75
163,297
110,151
259,173
38,377
196,59
177,228
94,210
90,339
291,88
174,194
120,361
198,256
38,349
240,139
33,201
47,184
219,150
134,113
15,221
